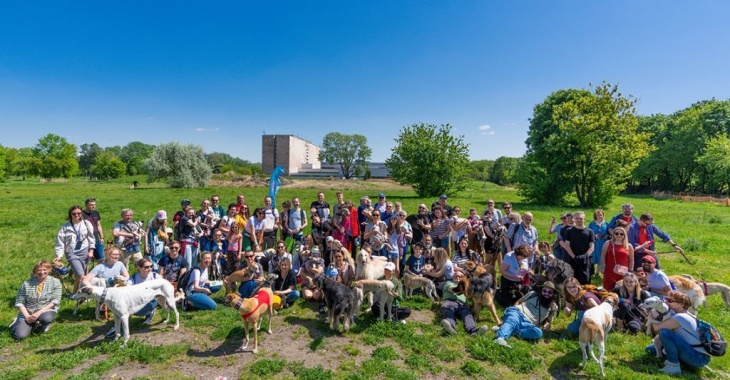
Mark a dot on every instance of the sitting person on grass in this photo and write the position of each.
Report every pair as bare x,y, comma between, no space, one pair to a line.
454,306
285,285
536,308
37,302
199,290
172,266
628,315
145,273
579,299
246,289
397,314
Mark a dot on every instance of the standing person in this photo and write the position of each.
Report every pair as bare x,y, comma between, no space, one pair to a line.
353,233
491,239
363,213
284,219
641,236
677,337
198,288
532,314
376,233
421,223
579,243
496,213
234,250
599,226
128,236
184,206
208,220
93,216
322,207
240,202
189,234
458,227
513,270
37,302
523,233
382,204
320,232
617,258
340,225
228,220
271,223
389,212
156,238
340,202
219,210
566,221
444,206
440,228
627,215
297,221
76,241
505,221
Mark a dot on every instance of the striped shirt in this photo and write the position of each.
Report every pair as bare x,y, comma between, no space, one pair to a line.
28,294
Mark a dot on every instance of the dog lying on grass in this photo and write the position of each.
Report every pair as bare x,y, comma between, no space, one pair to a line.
252,311
597,322
125,301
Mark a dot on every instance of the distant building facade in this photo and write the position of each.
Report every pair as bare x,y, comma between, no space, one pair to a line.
300,158
289,151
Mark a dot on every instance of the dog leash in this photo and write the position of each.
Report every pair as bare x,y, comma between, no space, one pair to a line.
703,282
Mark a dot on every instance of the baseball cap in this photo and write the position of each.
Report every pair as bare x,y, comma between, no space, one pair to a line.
161,215
185,202
443,196
329,239
389,266
649,258
381,195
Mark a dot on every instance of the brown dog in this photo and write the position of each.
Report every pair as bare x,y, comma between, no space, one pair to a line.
691,288
481,291
241,275
711,288
252,311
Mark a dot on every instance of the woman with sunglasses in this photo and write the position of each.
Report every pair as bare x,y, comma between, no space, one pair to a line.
76,241
246,289
145,273
532,314
628,315
677,337
617,257
172,266
253,235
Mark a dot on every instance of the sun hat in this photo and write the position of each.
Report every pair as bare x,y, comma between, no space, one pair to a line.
549,285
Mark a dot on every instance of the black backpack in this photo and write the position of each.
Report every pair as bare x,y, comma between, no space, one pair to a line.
182,282
710,338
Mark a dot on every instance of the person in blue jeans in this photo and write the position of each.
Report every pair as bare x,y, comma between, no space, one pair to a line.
579,300
199,289
677,337
285,285
534,309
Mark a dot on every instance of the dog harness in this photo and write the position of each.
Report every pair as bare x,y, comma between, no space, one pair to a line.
103,295
261,296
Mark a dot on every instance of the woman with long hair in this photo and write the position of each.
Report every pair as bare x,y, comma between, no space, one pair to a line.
577,298
464,254
599,226
440,228
629,315
76,241
617,258
156,238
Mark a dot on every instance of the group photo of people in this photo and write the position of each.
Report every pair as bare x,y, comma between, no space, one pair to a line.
450,252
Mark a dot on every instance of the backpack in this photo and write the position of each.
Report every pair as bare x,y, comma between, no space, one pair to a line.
182,281
710,338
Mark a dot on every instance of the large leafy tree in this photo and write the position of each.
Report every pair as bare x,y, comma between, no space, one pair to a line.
351,152
134,155
224,162
184,166
57,157
716,162
87,156
504,171
108,166
430,159
584,144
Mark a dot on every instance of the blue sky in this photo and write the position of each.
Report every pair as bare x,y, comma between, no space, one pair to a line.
220,75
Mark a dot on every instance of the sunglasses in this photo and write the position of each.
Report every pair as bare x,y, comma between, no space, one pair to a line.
147,267
669,300
248,256
547,292
76,213
281,247
619,233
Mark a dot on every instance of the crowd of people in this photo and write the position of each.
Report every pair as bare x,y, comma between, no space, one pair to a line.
437,242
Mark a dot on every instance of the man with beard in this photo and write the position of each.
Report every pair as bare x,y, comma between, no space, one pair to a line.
533,310
657,282
578,242
320,231
442,202
420,222
627,215
322,208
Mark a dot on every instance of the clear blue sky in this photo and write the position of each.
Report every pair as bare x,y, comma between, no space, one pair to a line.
220,74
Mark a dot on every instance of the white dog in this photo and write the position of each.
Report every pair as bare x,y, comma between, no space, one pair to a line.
597,322
128,300
711,288
369,268
658,312
383,290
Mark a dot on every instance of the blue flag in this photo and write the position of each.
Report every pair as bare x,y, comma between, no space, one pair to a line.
275,183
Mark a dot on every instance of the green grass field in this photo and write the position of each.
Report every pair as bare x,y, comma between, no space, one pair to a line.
302,347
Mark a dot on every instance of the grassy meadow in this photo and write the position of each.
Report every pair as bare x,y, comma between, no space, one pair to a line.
302,346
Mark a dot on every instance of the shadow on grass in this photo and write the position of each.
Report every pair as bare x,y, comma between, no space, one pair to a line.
231,344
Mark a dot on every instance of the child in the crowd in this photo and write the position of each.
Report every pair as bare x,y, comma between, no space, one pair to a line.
416,262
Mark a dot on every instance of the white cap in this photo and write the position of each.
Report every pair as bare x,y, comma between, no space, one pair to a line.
389,266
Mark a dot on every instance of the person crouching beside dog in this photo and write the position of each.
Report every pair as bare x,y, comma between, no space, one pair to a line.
245,290
199,290
536,308
172,266
397,314
76,241
677,337
454,306
110,269
37,302
579,299
145,273
631,296
513,269
285,285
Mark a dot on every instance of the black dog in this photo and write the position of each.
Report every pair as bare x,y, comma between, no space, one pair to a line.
339,299
556,271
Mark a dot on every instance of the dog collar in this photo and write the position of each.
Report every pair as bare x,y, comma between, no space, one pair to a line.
239,303
704,288
103,295
661,315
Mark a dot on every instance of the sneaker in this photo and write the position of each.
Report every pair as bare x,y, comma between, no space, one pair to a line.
671,368
40,329
12,324
148,318
447,326
480,331
111,333
502,342
495,328
402,321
